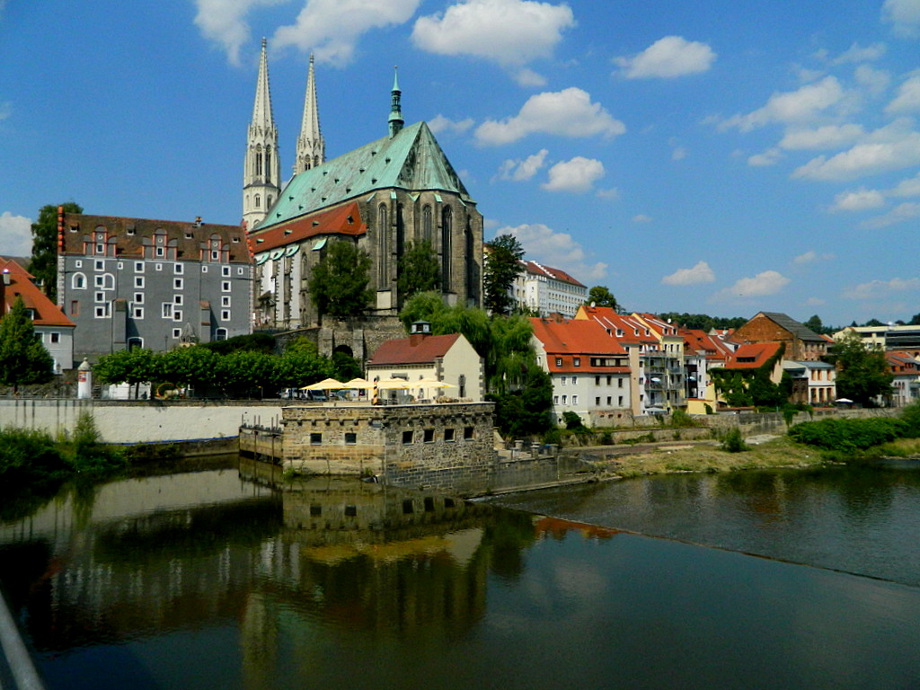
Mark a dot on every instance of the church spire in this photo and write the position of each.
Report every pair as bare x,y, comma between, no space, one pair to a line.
261,168
396,119
311,148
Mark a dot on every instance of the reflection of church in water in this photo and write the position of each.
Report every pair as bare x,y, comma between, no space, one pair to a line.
397,191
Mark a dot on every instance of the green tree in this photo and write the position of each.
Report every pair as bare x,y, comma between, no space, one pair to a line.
44,246
23,358
419,270
600,296
134,367
503,265
339,284
863,374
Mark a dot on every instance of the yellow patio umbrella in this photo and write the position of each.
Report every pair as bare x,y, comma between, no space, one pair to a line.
358,384
324,385
393,384
432,383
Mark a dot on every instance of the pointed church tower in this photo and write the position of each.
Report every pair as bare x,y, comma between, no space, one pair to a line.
311,148
396,121
262,170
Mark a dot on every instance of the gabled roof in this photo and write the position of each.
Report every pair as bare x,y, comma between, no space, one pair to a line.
411,160
341,220
47,313
423,350
799,330
752,355
696,340
583,338
538,269
632,329
902,363
659,326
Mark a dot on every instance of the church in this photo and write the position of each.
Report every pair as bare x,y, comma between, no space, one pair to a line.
396,190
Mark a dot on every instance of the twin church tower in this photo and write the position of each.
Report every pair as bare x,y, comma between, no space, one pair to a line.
262,181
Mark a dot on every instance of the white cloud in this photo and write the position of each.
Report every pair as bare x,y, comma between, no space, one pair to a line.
858,53
671,56
611,194
908,98
899,214
792,107
520,170
557,249
908,187
877,289
697,275
568,113
15,235
224,21
439,123
892,147
768,157
679,153
641,218
904,15
860,200
811,257
875,81
827,137
510,32
332,28
527,77
762,285
576,176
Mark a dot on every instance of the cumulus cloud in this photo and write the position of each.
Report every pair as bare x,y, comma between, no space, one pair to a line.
827,137
860,200
899,214
762,285
331,28
520,170
810,257
671,56
908,98
224,21
908,187
568,113
439,123
679,153
877,289
893,147
697,275
875,81
904,15
576,176
510,32
768,157
557,249
858,53
15,235
528,78
792,107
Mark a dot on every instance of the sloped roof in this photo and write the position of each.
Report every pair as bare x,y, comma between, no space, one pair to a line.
696,340
634,331
538,269
47,313
752,355
799,330
425,350
411,160
342,220
582,338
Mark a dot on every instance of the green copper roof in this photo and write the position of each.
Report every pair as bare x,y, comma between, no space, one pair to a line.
412,160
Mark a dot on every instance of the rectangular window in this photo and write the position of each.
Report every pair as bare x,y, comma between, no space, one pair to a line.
75,307
316,439
138,312
555,400
239,271
225,301
167,310
159,267
204,269
138,266
100,249
225,286
176,333
177,300
177,269
177,314
351,438
562,380
179,283
620,401
558,361
160,252
467,433
619,383
138,297
573,380
225,315
448,434
100,281
100,265
407,437
429,436
597,401
100,297
597,380
138,281
102,311
577,361
574,399
55,337
78,264
120,265
565,400
224,271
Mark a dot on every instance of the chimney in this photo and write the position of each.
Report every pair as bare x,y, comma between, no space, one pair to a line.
418,331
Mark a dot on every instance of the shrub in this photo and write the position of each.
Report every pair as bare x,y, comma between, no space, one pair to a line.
552,436
28,455
849,434
88,455
606,439
572,421
733,441
910,415
681,420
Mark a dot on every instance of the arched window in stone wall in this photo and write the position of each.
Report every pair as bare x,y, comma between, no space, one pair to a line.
78,281
446,241
258,161
383,247
426,224
400,231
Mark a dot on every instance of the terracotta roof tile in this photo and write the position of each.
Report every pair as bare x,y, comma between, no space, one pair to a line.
402,350
341,220
47,313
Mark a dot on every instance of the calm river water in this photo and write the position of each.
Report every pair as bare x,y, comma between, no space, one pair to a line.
210,580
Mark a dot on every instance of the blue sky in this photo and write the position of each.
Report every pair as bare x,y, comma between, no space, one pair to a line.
719,156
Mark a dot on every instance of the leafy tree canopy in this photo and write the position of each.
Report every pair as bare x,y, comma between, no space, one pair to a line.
600,296
419,270
703,322
339,283
259,342
44,246
23,358
862,371
503,265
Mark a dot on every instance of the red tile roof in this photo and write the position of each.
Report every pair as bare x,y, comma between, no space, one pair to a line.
425,350
583,338
341,220
696,340
752,355
632,329
538,269
47,313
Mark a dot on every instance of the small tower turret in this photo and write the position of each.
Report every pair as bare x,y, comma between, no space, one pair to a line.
396,119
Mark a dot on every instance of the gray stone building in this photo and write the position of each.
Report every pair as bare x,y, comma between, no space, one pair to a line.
133,282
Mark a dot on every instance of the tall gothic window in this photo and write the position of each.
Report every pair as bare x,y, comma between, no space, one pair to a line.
400,231
258,162
426,223
446,235
383,247
268,166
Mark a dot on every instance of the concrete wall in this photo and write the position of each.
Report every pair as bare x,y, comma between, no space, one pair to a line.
139,422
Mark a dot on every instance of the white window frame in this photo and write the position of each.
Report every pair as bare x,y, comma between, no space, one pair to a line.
166,310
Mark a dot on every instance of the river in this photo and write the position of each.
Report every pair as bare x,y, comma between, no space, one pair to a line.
204,580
